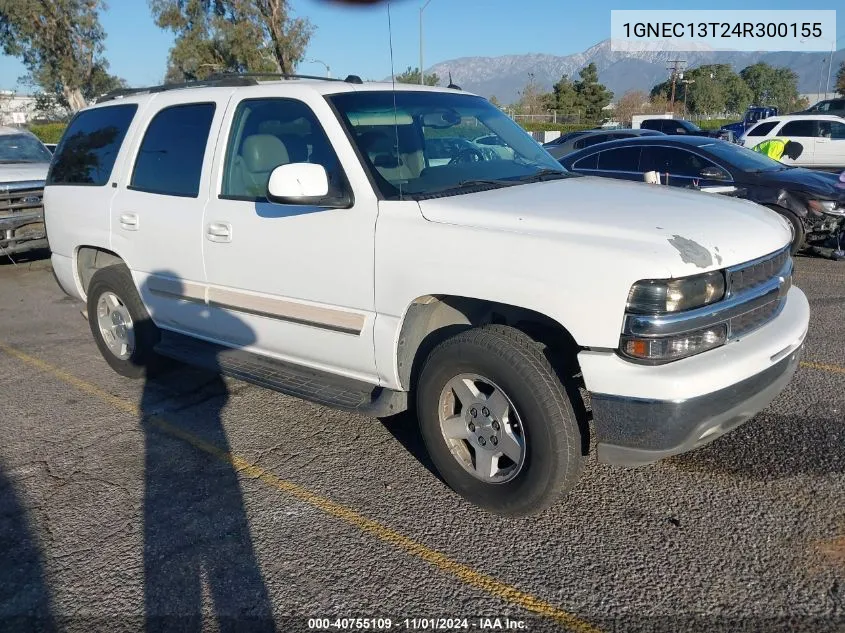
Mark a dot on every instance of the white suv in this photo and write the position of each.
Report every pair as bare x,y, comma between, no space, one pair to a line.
295,234
822,137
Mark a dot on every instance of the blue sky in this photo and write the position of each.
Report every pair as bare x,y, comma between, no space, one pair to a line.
355,40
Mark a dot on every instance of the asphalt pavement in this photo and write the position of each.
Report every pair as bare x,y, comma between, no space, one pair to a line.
194,502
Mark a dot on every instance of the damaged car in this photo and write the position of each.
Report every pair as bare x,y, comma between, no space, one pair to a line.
24,162
810,200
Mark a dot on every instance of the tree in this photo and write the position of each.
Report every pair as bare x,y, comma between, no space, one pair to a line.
495,101
772,86
60,43
593,95
840,79
412,76
532,99
631,103
566,100
214,36
288,36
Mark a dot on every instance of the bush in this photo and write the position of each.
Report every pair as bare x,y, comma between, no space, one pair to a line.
713,124
48,132
555,127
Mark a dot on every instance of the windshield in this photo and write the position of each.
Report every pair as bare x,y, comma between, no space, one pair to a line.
424,148
22,148
689,125
742,158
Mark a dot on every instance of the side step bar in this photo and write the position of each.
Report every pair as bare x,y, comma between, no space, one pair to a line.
293,380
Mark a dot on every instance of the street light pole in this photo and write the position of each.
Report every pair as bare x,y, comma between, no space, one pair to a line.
317,61
422,8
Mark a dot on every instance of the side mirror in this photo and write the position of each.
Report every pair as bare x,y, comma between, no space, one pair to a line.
298,183
713,173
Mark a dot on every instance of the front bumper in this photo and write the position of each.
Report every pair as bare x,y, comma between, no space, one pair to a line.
22,232
637,432
644,413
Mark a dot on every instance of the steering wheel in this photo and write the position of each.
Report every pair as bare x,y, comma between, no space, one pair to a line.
467,155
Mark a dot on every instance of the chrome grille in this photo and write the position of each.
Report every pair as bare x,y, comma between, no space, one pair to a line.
755,274
26,198
750,321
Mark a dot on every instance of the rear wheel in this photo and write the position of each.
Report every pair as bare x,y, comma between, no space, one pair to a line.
120,324
497,421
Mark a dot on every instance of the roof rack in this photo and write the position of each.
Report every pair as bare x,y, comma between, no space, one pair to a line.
220,80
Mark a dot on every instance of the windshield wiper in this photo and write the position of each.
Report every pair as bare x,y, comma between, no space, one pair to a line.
545,174
473,182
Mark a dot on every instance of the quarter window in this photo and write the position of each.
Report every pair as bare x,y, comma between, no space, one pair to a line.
588,162
267,133
89,147
762,129
170,159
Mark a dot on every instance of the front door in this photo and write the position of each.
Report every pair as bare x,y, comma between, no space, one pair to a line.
300,278
157,210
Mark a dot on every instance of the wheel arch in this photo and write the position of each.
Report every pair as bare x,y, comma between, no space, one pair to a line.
430,319
88,260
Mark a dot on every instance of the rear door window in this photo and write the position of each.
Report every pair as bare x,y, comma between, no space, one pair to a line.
170,159
762,129
621,159
588,162
89,147
799,128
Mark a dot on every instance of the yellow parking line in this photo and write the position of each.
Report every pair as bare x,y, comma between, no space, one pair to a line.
380,531
835,369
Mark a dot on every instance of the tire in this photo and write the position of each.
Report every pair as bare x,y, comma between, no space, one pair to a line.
797,227
552,458
139,359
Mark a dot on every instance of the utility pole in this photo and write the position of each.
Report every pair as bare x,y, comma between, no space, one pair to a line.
675,68
422,74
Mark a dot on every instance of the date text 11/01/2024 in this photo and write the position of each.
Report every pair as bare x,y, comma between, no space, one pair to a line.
417,624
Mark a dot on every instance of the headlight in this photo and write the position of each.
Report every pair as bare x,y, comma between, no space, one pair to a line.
826,206
675,295
670,348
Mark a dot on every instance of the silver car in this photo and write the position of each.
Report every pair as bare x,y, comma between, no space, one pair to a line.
24,162
579,140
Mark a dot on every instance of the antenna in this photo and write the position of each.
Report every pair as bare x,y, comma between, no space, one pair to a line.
393,82
452,85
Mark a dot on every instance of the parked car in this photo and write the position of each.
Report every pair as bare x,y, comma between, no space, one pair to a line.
247,226
594,138
821,136
681,126
23,167
565,137
753,115
810,200
835,107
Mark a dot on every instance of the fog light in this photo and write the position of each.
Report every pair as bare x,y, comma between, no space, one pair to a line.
674,347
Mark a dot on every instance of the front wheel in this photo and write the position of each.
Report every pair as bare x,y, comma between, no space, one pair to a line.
497,421
798,234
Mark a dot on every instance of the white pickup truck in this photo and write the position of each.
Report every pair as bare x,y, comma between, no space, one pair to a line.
294,233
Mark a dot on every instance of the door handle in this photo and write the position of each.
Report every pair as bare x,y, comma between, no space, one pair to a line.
219,232
129,221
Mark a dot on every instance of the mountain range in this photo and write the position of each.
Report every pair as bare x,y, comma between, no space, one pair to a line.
503,77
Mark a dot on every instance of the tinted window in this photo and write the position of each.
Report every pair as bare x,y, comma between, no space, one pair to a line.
22,148
762,129
90,145
588,162
621,159
798,128
595,139
267,133
170,159
834,129
678,162
652,124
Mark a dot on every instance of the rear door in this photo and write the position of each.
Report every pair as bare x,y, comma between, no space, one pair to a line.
803,131
156,214
830,144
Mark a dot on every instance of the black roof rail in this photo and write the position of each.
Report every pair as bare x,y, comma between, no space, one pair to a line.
211,82
218,80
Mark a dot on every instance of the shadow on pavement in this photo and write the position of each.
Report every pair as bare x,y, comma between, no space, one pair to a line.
199,560
25,602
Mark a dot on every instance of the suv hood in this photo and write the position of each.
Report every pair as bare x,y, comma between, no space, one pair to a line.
687,232
18,172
